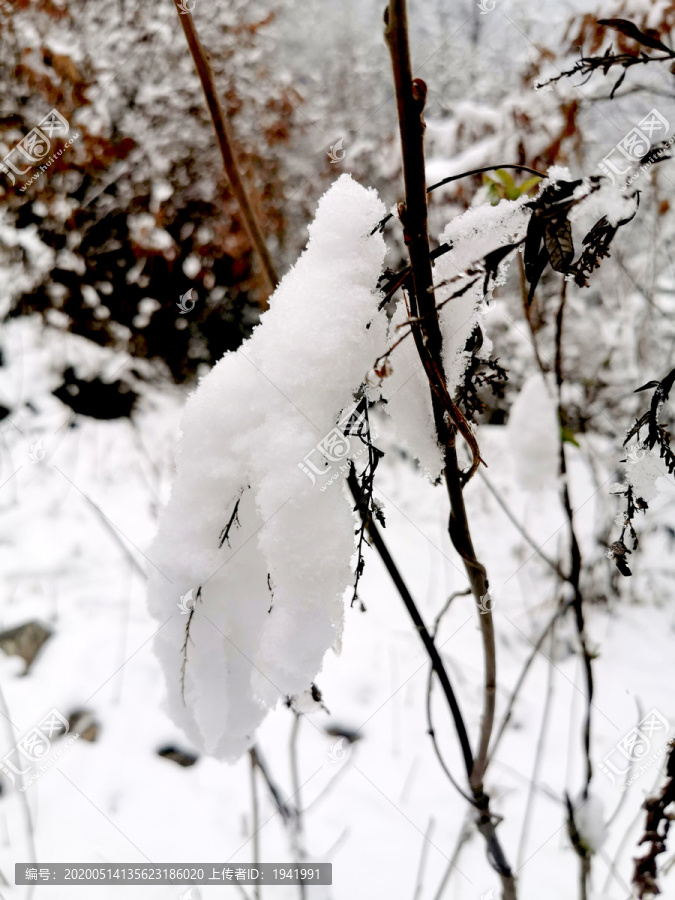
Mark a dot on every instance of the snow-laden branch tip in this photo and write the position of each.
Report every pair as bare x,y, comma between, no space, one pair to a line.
250,423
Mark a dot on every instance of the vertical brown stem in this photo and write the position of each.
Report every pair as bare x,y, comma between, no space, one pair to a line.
460,535
427,332
226,146
575,551
577,602
410,98
584,878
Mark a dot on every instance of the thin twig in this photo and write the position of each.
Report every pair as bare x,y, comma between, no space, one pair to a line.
226,145
430,726
105,521
463,543
295,778
530,540
485,169
423,859
613,873
463,837
410,98
621,845
186,641
234,520
538,756
575,569
446,607
577,602
418,622
461,175
527,313
256,822
287,812
431,731
562,609
624,794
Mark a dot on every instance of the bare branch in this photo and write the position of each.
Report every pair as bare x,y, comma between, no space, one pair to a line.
410,97
225,143
562,609
539,752
287,812
530,540
436,661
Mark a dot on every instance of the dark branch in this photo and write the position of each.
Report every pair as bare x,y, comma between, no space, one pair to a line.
226,146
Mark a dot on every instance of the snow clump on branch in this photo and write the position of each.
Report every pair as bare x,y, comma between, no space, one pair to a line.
267,604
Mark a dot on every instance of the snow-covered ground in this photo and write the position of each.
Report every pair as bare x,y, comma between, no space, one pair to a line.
75,528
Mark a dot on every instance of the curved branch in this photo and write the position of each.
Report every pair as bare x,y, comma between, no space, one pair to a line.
410,97
418,622
481,170
380,225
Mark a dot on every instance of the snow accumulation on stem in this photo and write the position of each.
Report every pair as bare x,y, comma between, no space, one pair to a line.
482,230
271,598
474,234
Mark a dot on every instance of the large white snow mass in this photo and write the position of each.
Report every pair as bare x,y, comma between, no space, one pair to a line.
270,603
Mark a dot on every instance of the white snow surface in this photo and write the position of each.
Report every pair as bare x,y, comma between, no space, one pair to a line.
116,800
533,433
408,397
271,597
591,821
